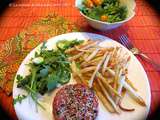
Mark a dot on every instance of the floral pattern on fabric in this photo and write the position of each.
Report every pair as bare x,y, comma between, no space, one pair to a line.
15,49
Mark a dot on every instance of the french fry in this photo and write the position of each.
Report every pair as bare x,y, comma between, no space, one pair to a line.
110,80
92,55
105,64
107,84
131,84
134,94
120,87
108,96
125,109
117,77
70,50
120,105
80,50
96,70
75,57
94,61
105,102
87,69
124,91
103,50
84,50
78,80
97,59
88,74
118,53
76,71
90,45
100,54
113,52
110,71
85,56
91,64
125,63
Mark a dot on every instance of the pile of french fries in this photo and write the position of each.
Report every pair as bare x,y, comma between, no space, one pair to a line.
105,71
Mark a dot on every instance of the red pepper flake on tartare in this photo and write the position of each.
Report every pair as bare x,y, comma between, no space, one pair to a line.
75,102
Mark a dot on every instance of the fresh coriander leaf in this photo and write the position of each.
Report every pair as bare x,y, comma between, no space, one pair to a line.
44,72
38,60
36,54
65,44
43,47
19,99
19,78
52,81
64,76
21,83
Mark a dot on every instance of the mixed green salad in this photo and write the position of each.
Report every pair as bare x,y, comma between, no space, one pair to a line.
104,10
48,70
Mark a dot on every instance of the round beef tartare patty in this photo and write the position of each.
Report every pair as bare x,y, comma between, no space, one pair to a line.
75,102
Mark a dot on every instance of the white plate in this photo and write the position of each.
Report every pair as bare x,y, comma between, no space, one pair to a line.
27,110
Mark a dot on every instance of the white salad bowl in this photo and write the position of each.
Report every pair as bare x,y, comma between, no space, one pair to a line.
99,25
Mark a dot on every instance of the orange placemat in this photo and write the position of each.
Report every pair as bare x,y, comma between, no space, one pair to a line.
14,50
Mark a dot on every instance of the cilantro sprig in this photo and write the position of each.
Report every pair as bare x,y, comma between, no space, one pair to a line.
19,99
48,70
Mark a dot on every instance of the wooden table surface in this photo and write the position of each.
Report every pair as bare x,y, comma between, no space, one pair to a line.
143,30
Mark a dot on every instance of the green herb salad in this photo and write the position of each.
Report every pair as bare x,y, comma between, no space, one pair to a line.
104,10
48,70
